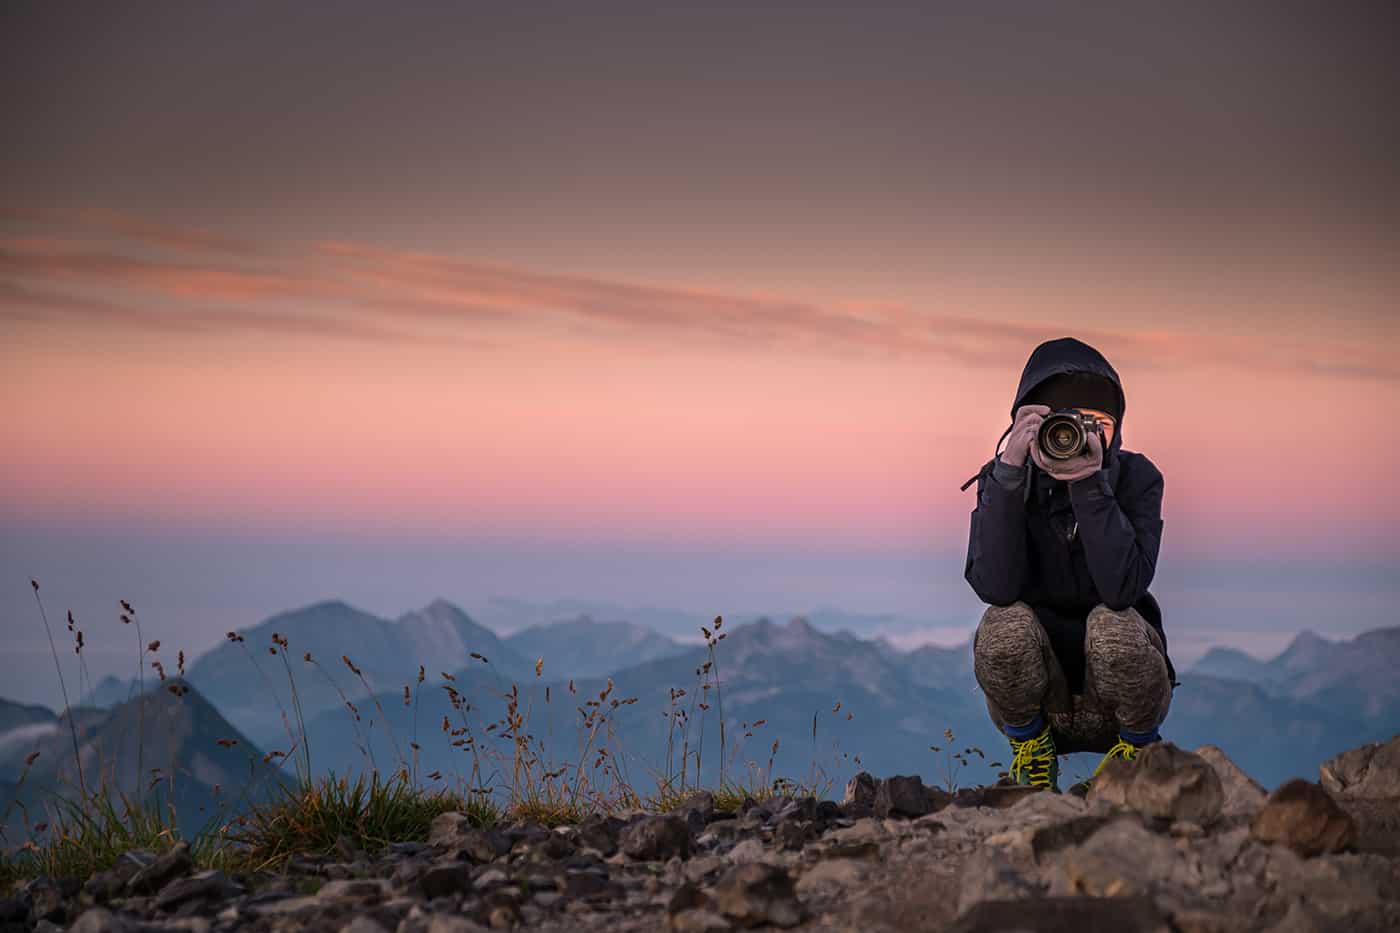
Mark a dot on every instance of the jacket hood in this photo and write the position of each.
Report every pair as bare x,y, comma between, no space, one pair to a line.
1067,355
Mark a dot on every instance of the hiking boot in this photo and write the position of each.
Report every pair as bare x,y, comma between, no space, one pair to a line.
1123,751
1033,761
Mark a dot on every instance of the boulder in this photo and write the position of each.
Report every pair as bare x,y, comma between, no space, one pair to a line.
903,795
205,887
758,894
1371,771
1303,817
1243,794
859,799
657,837
1063,915
176,863
1164,783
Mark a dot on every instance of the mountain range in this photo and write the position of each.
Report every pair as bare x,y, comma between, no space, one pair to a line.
811,701
131,750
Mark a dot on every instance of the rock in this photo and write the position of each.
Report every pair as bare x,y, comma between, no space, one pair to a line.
1370,771
757,894
455,832
175,863
998,796
987,877
1303,817
449,923
353,889
600,833
45,900
1164,783
902,795
584,884
1242,794
699,920
1122,858
687,897
205,887
702,867
697,809
1063,915
793,834
657,837
859,799
445,878
363,924
99,920
835,872
859,840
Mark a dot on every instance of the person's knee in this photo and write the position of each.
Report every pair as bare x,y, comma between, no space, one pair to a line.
1007,631
1113,636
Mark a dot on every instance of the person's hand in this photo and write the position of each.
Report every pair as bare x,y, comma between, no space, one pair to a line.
1084,465
1024,428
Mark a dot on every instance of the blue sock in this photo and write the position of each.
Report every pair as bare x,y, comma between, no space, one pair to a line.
1139,738
1029,731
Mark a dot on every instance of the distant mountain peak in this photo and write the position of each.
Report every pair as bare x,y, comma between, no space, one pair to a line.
438,608
798,625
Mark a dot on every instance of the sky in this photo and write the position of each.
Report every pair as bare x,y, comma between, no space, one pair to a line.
707,307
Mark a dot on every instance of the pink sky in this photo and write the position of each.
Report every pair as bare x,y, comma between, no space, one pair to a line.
189,376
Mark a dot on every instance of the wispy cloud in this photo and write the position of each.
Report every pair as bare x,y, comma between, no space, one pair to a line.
158,277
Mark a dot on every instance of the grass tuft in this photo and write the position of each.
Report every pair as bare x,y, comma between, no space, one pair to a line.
320,818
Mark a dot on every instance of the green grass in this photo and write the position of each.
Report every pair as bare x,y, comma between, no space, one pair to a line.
87,835
315,818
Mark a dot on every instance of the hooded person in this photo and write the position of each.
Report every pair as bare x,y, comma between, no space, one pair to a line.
1070,653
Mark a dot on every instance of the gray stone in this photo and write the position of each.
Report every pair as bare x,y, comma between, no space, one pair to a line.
455,833
204,887
902,795
175,863
1164,783
757,894
100,920
1120,859
363,924
444,879
699,920
657,837
1242,794
1302,816
834,872
859,799
1371,771
354,889
1063,915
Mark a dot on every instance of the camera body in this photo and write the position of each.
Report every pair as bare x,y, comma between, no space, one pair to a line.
1064,434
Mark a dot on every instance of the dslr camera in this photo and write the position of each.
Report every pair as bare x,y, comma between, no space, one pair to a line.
1064,434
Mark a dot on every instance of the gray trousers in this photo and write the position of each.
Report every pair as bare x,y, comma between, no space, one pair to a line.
1125,675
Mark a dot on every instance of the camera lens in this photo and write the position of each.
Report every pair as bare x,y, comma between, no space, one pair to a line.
1061,437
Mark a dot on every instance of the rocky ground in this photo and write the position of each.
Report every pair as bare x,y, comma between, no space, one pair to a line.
1178,841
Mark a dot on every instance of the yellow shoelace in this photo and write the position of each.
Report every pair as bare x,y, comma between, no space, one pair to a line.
1125,751
1033,755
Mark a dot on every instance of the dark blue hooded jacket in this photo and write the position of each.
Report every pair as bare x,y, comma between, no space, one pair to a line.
1065,547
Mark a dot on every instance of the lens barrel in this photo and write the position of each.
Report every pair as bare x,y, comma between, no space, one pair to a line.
1062,435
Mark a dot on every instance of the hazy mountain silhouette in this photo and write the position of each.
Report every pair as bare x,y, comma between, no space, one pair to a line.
824,698
1355,678
134,748
582,647
900,704
250,685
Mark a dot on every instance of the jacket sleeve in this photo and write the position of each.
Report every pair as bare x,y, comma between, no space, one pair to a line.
1121,536
996,544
